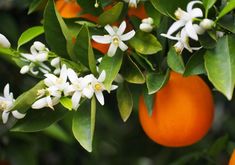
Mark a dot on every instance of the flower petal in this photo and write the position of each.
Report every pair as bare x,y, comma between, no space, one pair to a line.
100,97
88,92
102,76
106,39
109,29
122,46
121,28
191,31
41,103
6,91
18,115
72,76
175,26
127,36
196,13
113,87
63,73
4,42
170,37
191,4
76,99
5,115
112,50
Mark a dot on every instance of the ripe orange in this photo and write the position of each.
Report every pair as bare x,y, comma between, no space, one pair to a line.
232,159
138,12
182,113
70,9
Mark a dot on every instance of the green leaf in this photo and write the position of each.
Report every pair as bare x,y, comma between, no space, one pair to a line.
7,52
175,61
56,31
208,4
111,65
37,120
125,101
67,103
153,13
84,124
58,133
35,5
149,101
83,51
145,43
131,72
30,34
112,15
195,64
228,7
88,7
25,100
155,81
220,65
228,23
167,8
219,145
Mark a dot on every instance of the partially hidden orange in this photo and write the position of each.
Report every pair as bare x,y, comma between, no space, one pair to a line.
138,12
183,112
232,159
71,9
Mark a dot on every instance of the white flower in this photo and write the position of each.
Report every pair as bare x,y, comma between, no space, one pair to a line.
115,37
80,87
147,25
6,103
4,42
98,87
56,63
132,3
55,87
206,24
39,54
183,42
186,19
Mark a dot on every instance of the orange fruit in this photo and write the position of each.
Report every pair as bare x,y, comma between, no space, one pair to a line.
232,159
103,48
138,12
183,112
70,9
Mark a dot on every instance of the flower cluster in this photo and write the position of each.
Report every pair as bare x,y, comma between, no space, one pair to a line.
39,55
187,26
6,104
76,87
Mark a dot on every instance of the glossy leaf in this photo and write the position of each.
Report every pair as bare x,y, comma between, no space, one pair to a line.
175,61
228,23
220,65
37,120
55,30
195,64
66,102
219,145
167,8
83,51
228,7
131,72
111,65
35,4
149,101
208,4
84,124
88,7
145,43
30,34
112,15
155,81
25,100
125,101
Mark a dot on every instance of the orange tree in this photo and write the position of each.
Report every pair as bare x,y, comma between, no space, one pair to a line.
125,55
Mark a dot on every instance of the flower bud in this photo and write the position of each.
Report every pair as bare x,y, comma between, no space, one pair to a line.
4,42
55,62
24,69
146,27
206,24
39,46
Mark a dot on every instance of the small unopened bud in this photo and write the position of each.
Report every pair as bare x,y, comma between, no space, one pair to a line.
96,5
206,24
179,13
39,46
146,27
24,69
55,62
4,42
